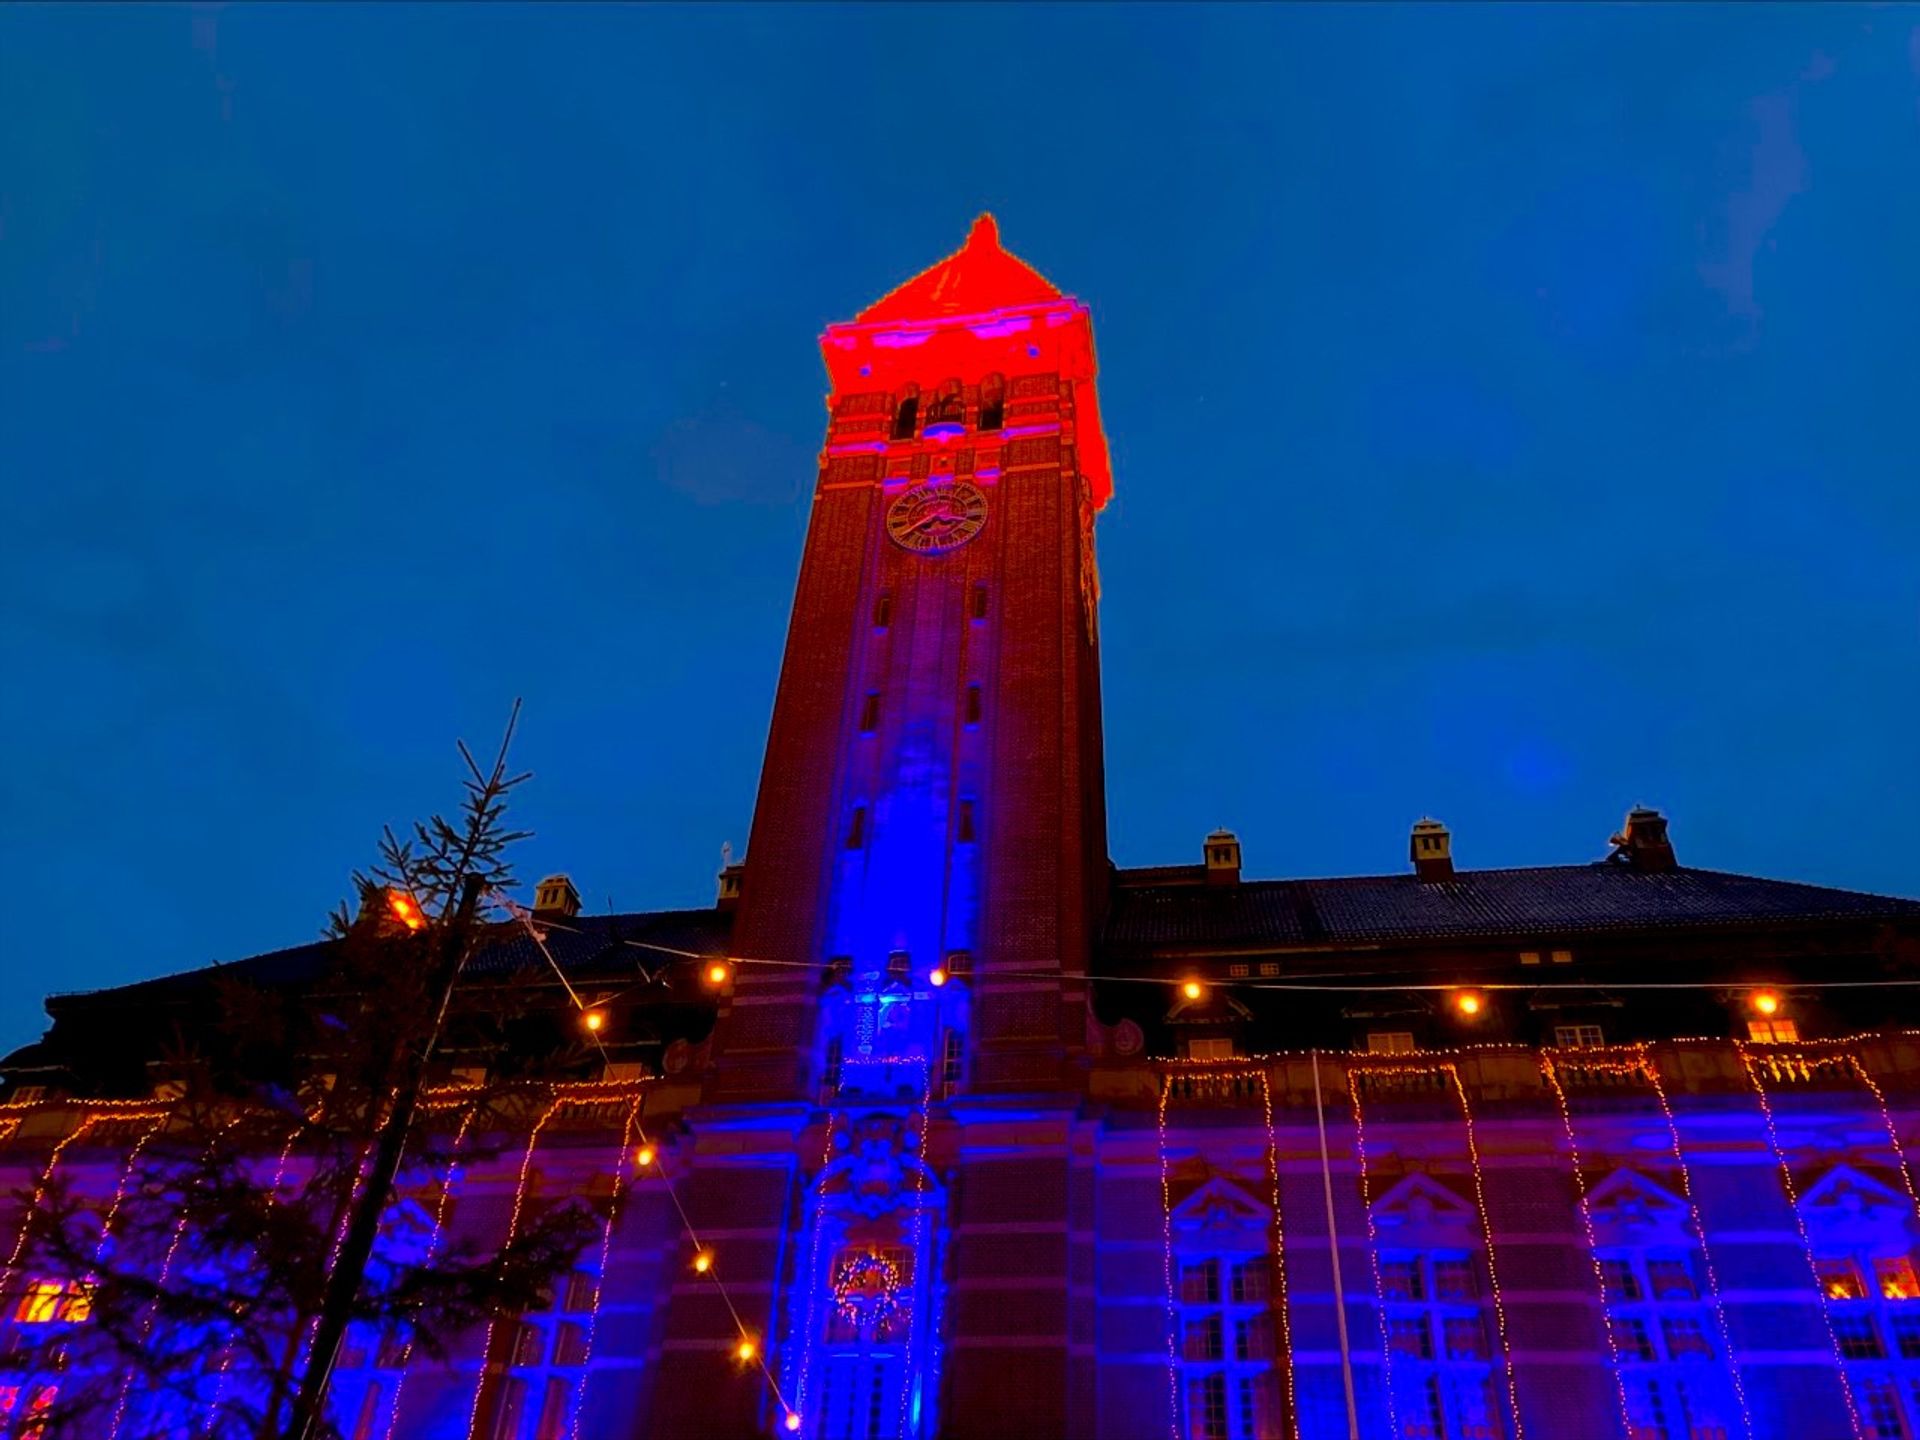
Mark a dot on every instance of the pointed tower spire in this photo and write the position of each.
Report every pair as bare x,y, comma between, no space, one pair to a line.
978,277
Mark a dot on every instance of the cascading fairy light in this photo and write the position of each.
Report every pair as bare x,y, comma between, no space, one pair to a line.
1279,1255
1800,1224
600,1276
1550,1069
1452,1073
806,1319
1353,1079
1893,1133
40,1194
166,1271
440,1207
1493,1269
513,1229
1166,1224
915,1314
1644,1062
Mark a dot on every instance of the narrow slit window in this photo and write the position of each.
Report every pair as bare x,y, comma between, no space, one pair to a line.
870,713
993,403
973,704
857,828
977,606
965,829
883,610
950,1056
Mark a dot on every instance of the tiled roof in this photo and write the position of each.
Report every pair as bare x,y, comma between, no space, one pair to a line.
584,943
1474,904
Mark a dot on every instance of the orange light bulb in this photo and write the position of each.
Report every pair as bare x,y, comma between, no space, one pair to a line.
717,974
644,1156
593,1020
703,1262
746,1349
937,977
1766,1001
1191,990
1468,1003
793,1419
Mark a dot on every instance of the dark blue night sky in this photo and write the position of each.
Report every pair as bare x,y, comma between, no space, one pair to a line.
1513,417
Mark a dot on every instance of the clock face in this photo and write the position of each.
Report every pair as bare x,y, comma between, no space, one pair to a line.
936,515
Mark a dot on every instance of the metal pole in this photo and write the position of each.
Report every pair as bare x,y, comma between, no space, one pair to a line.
1333,1249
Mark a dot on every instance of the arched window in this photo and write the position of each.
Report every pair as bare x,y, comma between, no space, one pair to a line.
1666,1337
993,403
1863,1240
1224,1324
1434,1308
906,416
947,412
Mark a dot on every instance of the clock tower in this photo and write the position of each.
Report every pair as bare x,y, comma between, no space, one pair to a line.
931,817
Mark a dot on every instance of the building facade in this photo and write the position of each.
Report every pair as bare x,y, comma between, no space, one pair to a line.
991,1139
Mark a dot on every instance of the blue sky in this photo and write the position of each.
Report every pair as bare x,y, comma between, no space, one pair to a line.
1512,413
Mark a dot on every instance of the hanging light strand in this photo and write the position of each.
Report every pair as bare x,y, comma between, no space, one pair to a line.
1279,1257
1806,1241
1166,1231
1493,1267
1549,1069
441,1204
1351,1078
606,1249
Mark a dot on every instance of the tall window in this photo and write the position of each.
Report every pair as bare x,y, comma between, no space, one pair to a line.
993,403
1863,1247
1223,1316
906,416
1666,1338
545,1359
366,1375
1435,1311
864,1379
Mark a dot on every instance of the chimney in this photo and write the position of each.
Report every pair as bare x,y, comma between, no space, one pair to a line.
1431,846
1643,843
1223,858
730,884
556,897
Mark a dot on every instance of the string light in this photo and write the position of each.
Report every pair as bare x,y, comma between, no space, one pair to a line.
1493,1270
1191,990
594,1020
1166,1224
937,977
1766,1002
1800,1223
1352,1080
808,1325
718,973
746,1349
600,1275
1549,1070
919,1231
793,1419
1279,1255
1468,1003
702,1262
1644,1060
513,1229
433,1248
644,1156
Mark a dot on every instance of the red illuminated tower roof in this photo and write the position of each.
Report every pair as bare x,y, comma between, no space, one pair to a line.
978,277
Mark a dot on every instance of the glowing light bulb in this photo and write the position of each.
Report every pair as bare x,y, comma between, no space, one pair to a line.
793,1419
717,973
746,1349
703,1262
1191,990
405,911
1766,1001
937,977
644,1156
1468,1003
593,1020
